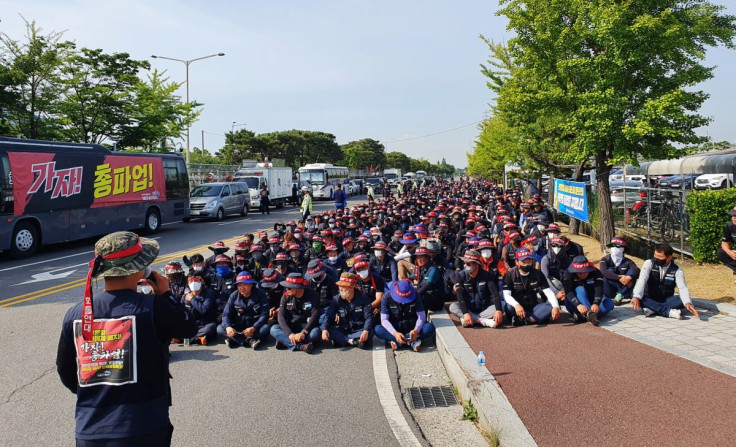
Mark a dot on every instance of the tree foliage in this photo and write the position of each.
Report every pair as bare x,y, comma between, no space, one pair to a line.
605,81
364,154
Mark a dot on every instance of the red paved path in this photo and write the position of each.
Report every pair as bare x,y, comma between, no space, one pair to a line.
578,385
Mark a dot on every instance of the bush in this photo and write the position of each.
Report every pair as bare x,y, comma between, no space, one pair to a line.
708,212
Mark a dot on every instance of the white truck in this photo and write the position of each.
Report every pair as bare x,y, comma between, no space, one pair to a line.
393,176
256,175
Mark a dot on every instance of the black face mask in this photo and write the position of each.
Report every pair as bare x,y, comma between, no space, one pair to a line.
660,262
526,268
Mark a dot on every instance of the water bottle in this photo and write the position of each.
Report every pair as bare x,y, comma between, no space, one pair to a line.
481,359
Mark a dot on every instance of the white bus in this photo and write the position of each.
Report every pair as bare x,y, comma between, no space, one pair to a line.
324,178
421,175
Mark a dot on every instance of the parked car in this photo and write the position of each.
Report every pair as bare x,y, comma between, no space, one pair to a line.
714,181
618,193
675,181
218,199
616,175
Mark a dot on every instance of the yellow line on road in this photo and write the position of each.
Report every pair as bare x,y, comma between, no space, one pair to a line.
78,282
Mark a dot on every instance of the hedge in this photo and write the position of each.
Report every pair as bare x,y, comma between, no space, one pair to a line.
709,214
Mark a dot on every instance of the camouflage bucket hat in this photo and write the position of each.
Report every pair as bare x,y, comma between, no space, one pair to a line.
124,253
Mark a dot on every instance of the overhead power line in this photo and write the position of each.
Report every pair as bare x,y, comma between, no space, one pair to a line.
433,134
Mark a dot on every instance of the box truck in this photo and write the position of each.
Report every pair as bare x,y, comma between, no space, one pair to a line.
256,175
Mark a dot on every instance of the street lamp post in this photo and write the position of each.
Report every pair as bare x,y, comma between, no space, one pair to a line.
232,128
186,63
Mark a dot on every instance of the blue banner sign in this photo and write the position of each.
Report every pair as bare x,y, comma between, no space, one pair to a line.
571,199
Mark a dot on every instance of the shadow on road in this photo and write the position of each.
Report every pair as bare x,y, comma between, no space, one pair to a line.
196,353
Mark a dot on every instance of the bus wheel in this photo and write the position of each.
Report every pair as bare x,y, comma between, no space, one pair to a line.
24,240
245,210
153,221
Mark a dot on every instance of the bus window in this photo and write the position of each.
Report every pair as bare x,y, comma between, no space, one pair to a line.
6,186
177,182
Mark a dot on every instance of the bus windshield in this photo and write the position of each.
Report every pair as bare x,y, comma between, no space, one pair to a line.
315,177
390,176
206,191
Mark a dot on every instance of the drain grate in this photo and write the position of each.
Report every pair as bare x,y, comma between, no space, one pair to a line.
436,396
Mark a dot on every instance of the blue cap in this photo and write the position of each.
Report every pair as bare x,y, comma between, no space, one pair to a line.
403,292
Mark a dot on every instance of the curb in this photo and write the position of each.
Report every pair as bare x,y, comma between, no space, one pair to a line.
723,308
495,412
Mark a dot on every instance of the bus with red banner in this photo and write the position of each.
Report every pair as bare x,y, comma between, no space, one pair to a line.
54,192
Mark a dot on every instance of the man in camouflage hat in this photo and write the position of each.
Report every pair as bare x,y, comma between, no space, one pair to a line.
130,331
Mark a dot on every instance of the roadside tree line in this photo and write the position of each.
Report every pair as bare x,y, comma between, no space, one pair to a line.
597,84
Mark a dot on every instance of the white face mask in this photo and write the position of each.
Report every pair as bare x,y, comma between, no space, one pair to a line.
551,236
297,236
146,289
363,274
468,268
344,294
378,253
556,250
197,268
541,227
486,254
332,258
195,286
332,225
617,252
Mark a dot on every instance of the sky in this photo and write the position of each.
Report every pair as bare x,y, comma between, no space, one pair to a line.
406,73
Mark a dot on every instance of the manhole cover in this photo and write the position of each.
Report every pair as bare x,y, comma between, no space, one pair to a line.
430,397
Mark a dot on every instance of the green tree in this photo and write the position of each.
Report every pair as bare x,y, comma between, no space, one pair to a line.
99,95
243,145
363,154
29,82
398,160
612,81
156,114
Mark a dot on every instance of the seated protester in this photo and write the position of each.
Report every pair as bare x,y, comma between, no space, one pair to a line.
270,284
427,280
655,289
317,250
145,286
242,248
553,266
528,298
534,245
322,280
177,281
335,260
299,239
508,251
371,283
297,262
539,209
583,281
257,263
245,318
363,244
349,316
240,264
403,319
436,253
283,264
478,301
200,300
619,272
218,248
382,262
572,248
298,316
394,245
488,262
727,251
403,259
197,267
274,246
553,231
223,281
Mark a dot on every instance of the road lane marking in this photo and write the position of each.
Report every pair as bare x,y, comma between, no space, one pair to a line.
69,285
396,420
43,262
47,276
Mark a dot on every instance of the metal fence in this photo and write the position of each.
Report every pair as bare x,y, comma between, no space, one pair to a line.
204,173
653,214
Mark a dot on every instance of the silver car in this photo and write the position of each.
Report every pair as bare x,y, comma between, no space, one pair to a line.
216,200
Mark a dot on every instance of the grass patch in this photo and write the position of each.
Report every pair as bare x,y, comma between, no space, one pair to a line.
469,412
493,436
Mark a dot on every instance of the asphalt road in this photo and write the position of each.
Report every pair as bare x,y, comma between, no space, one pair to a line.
221,396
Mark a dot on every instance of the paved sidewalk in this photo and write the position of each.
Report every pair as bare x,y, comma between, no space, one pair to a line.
665,382
710,341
